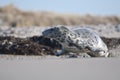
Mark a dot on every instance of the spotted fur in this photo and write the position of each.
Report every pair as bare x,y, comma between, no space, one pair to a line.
80,40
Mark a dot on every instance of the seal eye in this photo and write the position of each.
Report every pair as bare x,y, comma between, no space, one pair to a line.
70,44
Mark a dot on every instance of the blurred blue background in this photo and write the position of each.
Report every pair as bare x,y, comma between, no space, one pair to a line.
97,7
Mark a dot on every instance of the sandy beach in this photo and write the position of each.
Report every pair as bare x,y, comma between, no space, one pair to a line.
61,69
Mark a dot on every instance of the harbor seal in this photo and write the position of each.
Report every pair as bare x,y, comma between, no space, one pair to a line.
82,40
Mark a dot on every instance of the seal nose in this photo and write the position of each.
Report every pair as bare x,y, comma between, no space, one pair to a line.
44,33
